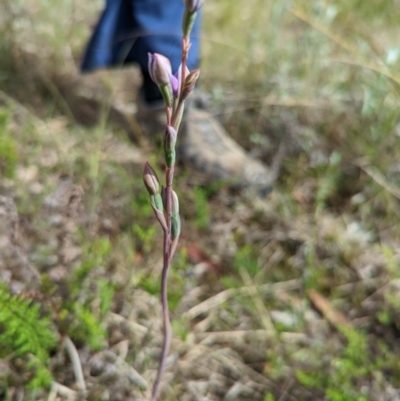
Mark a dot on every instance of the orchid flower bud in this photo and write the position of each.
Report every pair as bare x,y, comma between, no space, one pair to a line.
169,145
175,218
161,72
188,22
174,85
191,8
170,138
175,203
164,196
150,180
175,226
192,77
190,83
193,5
159,69
156,202
176,80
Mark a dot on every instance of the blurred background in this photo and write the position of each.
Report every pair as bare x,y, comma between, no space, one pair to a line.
291,297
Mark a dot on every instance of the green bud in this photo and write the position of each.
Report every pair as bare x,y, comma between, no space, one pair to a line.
175,226
170,158
190,83
188,22
150,179
193,5
164,196
157,202
175,203
192,77
169,145
166,91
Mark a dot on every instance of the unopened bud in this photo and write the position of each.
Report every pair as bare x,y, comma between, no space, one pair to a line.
189,16
176,80
175,204
192,77
150,180
166,92
164,196
188,22
174,85
161,72
193,5
169,145
159,69
175,226
170,138
175,218
157,202
190,83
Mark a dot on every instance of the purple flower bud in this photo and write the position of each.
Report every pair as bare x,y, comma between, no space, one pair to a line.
193,5
159,69
170,138
176,80
150,180
174,84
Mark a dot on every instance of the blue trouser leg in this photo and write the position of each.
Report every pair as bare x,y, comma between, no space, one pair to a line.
129,29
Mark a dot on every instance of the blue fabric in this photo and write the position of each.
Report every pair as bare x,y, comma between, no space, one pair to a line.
129,29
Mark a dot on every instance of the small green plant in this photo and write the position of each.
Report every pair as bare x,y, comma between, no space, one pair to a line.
269,397
328,181
8,147
96,254
145,235
339,382
246,259
25,333
87,327
78,317
201,204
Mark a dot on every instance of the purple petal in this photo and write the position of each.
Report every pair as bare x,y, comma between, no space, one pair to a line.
174,84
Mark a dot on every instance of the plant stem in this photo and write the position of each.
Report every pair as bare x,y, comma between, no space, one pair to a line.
168,249
185,52
169,175
165,313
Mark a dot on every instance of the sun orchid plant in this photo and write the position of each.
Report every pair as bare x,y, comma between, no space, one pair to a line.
175,88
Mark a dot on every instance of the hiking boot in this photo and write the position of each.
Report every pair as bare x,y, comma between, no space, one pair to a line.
204,145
